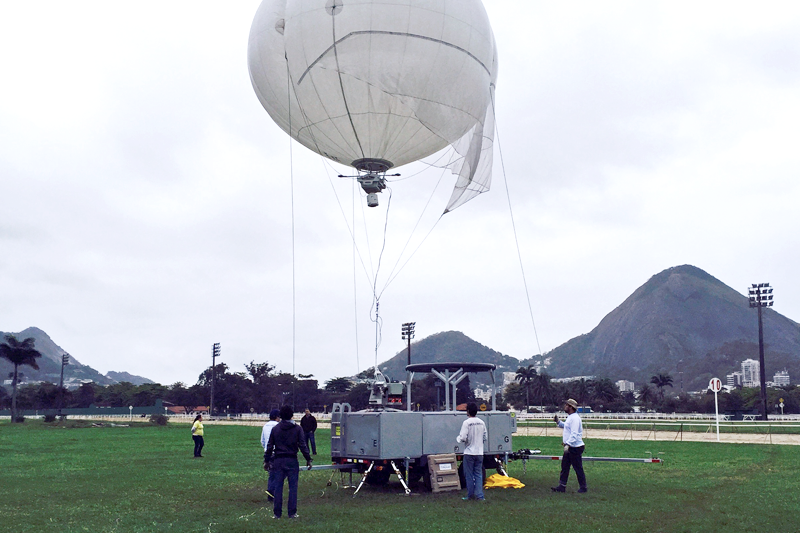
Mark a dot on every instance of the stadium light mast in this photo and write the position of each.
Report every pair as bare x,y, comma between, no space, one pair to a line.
214,354
64,362
761,296
408,334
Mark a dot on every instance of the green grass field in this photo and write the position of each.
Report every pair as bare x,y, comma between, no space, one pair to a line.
143,478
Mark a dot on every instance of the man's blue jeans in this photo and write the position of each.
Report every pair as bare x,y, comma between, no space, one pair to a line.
473,474
285,468
311,442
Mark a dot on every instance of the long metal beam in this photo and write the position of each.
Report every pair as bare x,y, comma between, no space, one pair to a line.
346,466
611,459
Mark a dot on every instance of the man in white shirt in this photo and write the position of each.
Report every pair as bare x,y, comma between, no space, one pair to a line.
274,415
573,447
473,435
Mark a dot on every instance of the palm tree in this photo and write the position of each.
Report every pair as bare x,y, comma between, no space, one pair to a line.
18,353
646,395
526,375
661,381
603,390
580,390
541,387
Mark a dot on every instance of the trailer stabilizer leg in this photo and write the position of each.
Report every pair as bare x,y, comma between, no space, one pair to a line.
364,478
500,467
400,477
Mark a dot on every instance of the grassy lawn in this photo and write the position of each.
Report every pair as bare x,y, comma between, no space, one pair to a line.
143,478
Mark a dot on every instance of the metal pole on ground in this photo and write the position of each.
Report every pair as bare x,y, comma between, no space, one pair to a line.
716,385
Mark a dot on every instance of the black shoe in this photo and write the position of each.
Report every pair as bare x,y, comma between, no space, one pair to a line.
558,489
583,489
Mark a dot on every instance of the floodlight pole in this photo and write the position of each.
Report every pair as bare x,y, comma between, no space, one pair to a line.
214,354
408,334
64,362
761,296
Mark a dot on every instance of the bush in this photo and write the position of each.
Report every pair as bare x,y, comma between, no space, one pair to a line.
49,418
159,420
19,419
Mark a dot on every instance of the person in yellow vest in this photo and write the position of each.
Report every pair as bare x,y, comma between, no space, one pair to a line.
197,435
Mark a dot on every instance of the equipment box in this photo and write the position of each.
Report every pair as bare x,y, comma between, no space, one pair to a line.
444,472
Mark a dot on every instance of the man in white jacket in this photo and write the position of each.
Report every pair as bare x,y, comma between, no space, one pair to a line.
473,435
573,447
274,415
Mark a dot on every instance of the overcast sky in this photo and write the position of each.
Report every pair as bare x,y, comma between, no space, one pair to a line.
147,200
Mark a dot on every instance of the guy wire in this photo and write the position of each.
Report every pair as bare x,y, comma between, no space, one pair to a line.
513,225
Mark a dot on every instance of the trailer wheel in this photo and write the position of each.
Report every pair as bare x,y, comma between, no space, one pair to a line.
379,477
417,475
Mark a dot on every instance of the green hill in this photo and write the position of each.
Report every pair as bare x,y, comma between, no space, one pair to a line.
681,320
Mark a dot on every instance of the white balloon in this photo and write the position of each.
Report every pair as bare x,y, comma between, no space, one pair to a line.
378,84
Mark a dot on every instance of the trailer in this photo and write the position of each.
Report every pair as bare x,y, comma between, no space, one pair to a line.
383,441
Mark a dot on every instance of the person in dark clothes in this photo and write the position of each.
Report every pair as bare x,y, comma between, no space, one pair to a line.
284,442
309,425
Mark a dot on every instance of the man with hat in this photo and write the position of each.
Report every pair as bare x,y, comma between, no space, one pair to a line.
573,447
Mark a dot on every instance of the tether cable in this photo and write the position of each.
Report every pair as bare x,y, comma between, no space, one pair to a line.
513,224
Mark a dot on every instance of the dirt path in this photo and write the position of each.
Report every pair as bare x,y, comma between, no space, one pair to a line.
672,436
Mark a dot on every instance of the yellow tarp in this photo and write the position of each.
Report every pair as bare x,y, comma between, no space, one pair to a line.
497,481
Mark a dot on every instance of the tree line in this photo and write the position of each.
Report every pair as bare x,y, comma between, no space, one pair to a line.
260,388
532,388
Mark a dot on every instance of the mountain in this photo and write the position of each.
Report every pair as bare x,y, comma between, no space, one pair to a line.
685,322
448,346
50,364
119,377
682,321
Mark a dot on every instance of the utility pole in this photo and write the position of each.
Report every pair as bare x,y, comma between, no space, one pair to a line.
214,355
64,362
408,334
761,296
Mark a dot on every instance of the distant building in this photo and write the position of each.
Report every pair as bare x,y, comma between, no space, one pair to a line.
750,371
781,378
625,386
485,395
508,378
735,379
571,379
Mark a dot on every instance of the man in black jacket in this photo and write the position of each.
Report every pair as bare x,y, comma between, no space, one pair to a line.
309,425
281,455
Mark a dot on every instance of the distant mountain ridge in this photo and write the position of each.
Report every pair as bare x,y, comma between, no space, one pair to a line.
682,321
447,346
50,363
